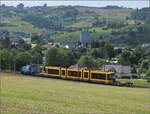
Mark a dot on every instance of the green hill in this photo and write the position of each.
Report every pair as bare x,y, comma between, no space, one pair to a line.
63,23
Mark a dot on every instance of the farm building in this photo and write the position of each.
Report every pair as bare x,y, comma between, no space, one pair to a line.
120,70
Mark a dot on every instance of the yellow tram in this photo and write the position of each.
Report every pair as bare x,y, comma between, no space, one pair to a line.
79,74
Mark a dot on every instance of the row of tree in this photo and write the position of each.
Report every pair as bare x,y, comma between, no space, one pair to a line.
14,59
138,59
15,56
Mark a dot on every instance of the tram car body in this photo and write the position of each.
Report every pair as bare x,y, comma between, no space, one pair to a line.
79,74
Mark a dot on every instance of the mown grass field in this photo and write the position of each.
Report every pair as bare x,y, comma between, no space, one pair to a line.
137,82
35,95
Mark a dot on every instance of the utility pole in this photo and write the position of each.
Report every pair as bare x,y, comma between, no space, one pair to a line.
10,70
0,65
0,21
38,61
14,65
149,65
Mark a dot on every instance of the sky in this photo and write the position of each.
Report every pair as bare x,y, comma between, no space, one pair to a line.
130,3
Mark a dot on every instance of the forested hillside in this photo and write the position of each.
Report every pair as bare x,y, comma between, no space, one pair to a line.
64,23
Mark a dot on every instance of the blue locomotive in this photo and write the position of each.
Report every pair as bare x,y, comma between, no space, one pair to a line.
30,69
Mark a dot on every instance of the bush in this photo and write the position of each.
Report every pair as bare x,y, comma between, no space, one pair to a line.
88,61
148,75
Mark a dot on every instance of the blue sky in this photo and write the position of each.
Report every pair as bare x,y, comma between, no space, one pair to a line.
131,4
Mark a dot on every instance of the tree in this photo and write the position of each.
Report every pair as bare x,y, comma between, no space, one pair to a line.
141,14
145,64
37,56
87,61
4,59
1,44
60,57
94,53
23,58
103,50
71,59
5,42
23,45
45,5
148,75
99,22
124,58
20,6
37,49
71,12
35,39
7,58
51,57
109,51
100,62
139,52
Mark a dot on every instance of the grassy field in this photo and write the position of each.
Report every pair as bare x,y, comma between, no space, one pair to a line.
17,25
137,82
24,95
67,37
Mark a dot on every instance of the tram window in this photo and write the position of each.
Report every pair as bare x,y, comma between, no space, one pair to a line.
53,71
111,76
98,76
63,72
74,73
86,74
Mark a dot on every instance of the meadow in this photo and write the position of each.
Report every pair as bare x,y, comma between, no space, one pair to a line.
15,24
137,82
24,94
